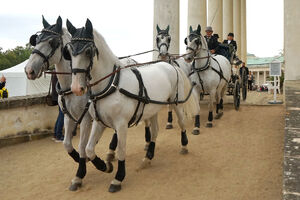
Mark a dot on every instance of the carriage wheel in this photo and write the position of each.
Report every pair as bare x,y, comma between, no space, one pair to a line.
244,91
236,95
244,85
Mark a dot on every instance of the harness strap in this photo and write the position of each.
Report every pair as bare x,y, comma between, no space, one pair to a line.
46,59
142,90
219,72
98,117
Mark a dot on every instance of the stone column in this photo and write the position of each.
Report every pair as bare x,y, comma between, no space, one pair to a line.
243,31
237,24
215,16
227,17
265,76
258,79
166,12
197,14
291,39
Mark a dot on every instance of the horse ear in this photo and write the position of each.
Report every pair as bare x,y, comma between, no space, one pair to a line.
89,26
45,23
157,28
59,24
168,28
199,29
71,28
191,29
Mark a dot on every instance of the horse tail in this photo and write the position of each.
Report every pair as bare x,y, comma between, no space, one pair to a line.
190,107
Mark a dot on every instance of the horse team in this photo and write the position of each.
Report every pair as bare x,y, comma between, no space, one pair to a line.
98,90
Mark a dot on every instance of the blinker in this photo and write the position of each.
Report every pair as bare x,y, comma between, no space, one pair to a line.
32,40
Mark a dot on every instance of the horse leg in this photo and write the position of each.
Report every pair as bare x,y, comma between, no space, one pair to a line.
218,97
170,118
110,156
69,127
90,148
151,147
212,95
196,130
220,114
147,134
85,128
181,121
115,185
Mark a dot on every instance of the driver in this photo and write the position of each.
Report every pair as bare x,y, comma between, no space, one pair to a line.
211,40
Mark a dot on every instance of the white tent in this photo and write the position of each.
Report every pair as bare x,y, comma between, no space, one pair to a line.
17,83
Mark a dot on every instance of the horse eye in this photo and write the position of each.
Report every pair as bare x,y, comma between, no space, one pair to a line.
54,43
157,40
169,39
88,52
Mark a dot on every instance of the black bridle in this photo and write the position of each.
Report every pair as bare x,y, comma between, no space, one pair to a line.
33,42
164,43
94,52
191,37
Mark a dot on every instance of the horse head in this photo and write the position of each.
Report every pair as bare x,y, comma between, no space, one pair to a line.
163,40
81,51
47,50
193,43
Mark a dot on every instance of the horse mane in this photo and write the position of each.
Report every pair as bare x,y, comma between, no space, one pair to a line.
203,40
103,48
66,36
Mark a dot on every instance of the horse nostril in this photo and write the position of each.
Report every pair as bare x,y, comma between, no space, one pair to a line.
31,72
81,89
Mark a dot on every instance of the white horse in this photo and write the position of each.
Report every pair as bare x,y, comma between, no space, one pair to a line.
163,41
48,51
123,97
210,72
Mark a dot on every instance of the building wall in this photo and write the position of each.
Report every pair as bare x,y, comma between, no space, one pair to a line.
291,39
26,115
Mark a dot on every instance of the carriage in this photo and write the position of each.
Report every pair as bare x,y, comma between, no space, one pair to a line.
237,82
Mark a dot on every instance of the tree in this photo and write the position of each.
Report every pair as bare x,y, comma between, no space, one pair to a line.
12,57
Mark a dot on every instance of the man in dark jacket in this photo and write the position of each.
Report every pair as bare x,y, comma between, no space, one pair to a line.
230,40
212,41
59,124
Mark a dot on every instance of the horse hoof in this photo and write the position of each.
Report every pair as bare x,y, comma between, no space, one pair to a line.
219,115
109,167
75,186
196,132
169,126
146,147
114,188
110,157
209,125
145,163
184,151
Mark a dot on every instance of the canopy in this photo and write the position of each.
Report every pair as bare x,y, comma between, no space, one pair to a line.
17,83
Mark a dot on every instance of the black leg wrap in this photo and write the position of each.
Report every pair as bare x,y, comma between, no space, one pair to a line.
99,164
150,151
197,121
184,139
75,155
217,108
210,116
114,142
121,171
147,134
81,171
221,104
170,117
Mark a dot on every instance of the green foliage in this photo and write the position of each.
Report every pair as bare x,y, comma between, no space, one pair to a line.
14,56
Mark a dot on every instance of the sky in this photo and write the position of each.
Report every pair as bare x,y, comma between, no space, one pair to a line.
127,25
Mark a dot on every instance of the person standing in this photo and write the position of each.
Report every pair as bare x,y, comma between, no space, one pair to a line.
59,124
3,90
250,81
